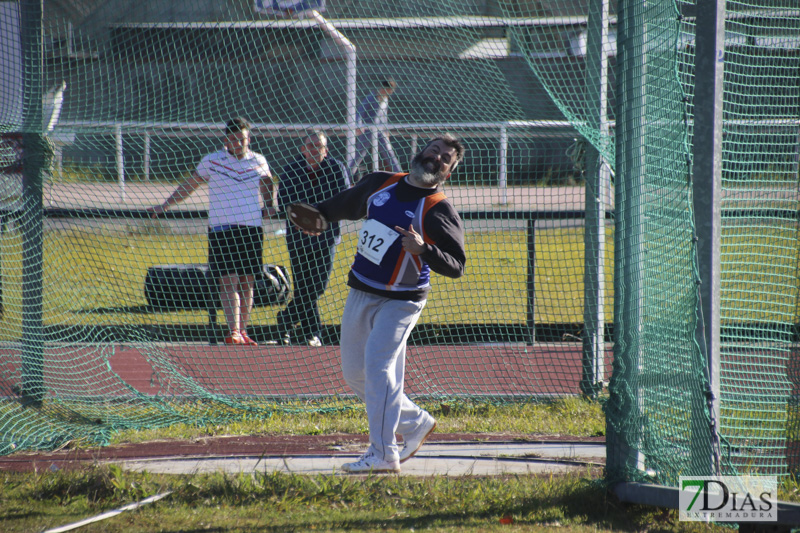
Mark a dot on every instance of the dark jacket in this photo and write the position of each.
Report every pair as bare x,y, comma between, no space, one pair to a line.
299,184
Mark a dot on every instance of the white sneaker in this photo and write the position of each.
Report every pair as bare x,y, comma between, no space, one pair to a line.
370,463
414,441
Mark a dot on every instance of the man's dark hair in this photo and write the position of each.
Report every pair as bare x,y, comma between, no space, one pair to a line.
389,83
452,142
316,135
235,125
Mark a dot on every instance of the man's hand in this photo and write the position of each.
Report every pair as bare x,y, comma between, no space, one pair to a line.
412,241
269,212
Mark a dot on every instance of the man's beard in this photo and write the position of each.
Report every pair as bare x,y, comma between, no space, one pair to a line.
429,175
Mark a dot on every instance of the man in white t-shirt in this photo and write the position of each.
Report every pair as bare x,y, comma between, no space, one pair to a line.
238,179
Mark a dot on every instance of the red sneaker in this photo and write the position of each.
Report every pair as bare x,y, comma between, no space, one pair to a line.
234,338
247,340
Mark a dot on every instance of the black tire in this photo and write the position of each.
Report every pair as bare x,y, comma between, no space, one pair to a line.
174,287
188,287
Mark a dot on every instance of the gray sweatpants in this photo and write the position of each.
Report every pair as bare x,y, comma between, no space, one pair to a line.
373,345
364,146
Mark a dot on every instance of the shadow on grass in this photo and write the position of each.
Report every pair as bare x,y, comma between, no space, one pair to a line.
474,505
132,309
584,508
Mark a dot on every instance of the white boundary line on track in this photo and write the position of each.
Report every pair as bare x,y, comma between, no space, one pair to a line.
109,514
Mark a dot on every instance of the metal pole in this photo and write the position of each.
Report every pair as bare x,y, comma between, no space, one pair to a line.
350,50
351,103
597,185
623,445
146,162
707,185
120,162
33,388
531,281
502,178
376,158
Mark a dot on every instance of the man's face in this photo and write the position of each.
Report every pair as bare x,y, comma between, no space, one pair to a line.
385,92
238,143
314,151
433,164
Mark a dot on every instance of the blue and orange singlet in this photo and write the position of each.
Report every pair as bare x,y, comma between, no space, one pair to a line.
397,269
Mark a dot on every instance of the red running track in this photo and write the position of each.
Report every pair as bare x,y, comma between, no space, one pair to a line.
544,370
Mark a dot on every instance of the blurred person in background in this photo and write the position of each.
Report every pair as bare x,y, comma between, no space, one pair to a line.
371,115
313,177
238,180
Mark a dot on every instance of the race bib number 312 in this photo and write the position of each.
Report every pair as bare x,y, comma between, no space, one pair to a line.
374,240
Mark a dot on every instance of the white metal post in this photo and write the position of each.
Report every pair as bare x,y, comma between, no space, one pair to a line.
350,84
502,178
598,185
376,157
351,104
146,162
120,160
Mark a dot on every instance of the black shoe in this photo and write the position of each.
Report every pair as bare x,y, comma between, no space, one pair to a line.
313,340
286,340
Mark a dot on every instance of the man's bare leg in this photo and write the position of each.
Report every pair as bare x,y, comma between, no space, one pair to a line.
229,298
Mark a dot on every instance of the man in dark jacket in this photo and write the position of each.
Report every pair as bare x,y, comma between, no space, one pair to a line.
312,178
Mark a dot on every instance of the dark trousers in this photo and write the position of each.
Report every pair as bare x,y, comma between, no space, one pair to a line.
311,269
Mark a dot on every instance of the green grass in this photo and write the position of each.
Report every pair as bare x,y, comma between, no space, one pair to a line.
279,502
142,423
263,501
97,277
266,501
566,417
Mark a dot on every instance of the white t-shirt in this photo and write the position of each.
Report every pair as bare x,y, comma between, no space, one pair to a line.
234,194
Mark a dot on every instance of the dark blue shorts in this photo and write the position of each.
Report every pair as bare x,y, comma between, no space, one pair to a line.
236,250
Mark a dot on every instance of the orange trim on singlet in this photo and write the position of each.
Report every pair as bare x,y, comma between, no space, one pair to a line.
430,201
402,260
397,266
392,180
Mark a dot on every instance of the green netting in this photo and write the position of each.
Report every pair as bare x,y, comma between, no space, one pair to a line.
110,320
760,239
659,390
